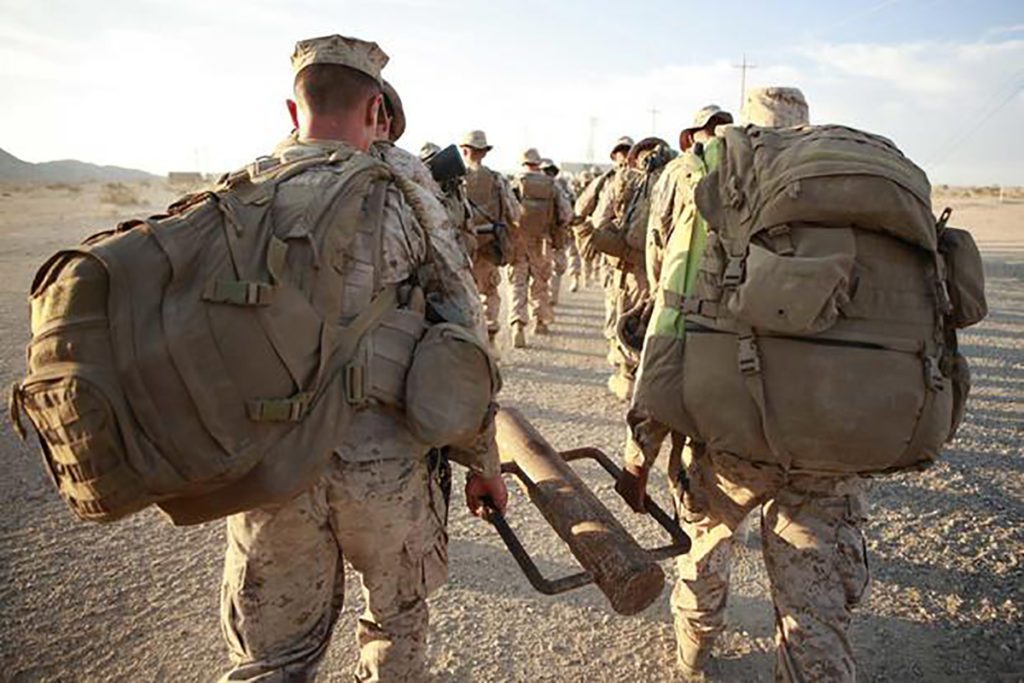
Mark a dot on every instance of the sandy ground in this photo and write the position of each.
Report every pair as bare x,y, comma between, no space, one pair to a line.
138,599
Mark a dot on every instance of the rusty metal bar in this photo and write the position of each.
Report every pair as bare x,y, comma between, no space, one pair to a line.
680,541
627,574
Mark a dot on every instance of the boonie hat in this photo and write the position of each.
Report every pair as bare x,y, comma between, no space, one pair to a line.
428,150
622,144
476,139
775,107
700,120
530,156
394,105
361,55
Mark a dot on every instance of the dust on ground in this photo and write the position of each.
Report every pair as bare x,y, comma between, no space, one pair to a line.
138,599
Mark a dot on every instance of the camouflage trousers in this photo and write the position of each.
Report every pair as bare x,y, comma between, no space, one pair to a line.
284,579
488,281
575,265
813,549
566,260
531,282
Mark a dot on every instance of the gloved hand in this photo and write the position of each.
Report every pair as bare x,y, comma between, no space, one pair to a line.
482,492
632,486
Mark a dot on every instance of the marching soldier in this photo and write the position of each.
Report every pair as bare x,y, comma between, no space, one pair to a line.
813,544
495,212
377,504
546,213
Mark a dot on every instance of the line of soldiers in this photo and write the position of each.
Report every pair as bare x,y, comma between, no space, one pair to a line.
519,223
382,503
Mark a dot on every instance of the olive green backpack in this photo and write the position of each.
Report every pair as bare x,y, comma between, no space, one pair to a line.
189,360
538,200
820,334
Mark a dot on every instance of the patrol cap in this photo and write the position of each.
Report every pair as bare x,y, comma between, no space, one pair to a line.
700,120
428,150
775,107
546,163
531,156
476,139
394,105
621,145
361,55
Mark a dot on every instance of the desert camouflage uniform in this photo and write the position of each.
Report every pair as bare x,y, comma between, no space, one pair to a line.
565,258
626,285
814,553
405,164
451,197
531,271
811,524
586,204
672,193
593,202
447,233
376,504
504,207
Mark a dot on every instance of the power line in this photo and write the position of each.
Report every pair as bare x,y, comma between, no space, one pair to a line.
743,78
967,131
983,113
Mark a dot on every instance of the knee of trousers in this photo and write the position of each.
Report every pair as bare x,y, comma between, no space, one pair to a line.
816,558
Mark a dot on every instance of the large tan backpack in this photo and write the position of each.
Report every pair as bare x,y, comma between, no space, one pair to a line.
198,360
820,334
538,199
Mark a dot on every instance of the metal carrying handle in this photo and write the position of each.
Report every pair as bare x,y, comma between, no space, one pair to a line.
680,540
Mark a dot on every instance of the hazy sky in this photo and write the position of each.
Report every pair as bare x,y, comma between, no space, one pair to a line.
175,84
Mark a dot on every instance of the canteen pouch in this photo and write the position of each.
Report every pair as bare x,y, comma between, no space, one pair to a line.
965,273
450,387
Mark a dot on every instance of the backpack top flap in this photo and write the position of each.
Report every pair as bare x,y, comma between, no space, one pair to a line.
826,175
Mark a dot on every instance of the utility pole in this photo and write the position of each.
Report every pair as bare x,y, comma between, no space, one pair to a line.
654,111
743,79
590,142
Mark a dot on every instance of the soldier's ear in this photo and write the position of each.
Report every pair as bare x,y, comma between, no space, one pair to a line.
293,112
374,110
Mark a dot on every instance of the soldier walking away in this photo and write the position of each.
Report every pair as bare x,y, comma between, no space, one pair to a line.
546,213
620,225
378,504
565,258
494,214
598,195
811,524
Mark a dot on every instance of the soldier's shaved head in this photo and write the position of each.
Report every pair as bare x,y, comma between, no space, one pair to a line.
324,89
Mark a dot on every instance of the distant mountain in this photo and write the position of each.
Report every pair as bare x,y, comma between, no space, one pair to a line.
13,169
